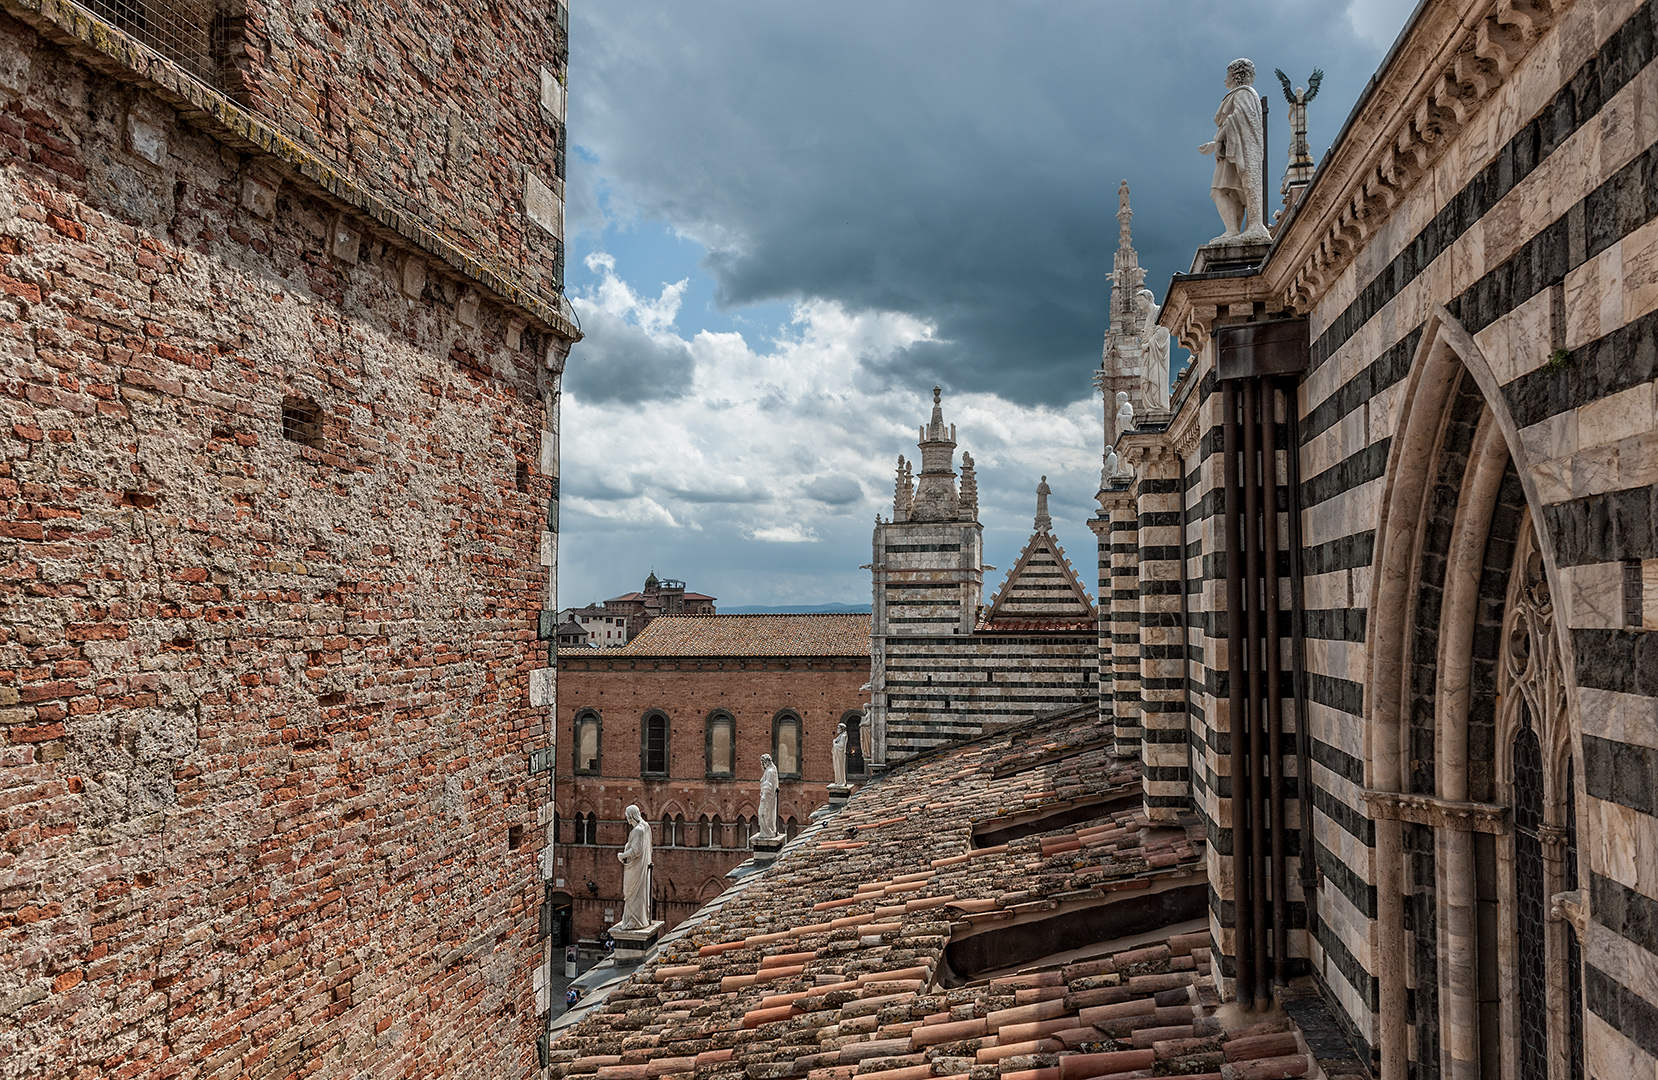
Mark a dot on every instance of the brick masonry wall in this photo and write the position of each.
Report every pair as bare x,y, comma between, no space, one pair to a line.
391,95
622,691
263,803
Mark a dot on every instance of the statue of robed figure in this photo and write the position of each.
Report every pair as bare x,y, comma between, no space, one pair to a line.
768,797
636,873
1239,147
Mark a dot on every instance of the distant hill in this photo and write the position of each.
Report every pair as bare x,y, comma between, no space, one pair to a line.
796,609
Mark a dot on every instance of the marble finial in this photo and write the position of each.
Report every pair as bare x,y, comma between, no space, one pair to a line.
1044,523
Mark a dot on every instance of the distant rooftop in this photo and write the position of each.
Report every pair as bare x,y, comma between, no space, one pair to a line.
750,635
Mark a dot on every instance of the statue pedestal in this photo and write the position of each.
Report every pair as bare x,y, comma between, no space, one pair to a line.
1233,254
838,794
765,848
632,945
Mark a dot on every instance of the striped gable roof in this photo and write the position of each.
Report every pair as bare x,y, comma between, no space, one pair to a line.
1042,591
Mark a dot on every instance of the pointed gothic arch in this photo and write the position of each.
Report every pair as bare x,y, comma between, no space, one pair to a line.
1455,537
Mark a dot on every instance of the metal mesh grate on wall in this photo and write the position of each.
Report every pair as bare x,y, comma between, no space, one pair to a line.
201,36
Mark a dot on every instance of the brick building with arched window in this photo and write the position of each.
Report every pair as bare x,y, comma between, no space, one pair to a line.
675,723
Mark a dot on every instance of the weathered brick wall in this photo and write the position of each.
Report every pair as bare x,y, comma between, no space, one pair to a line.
438,107
263,705
821,691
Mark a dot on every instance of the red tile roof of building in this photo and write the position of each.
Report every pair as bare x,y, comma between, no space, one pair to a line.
751,635
831,963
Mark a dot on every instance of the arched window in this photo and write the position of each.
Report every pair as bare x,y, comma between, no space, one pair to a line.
721,745
586,743
681,837
667,835
653,744
716,832
587,829
785,744
854,722
791,829
702,831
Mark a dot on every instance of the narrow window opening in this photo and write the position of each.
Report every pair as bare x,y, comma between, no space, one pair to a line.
785,745
515,837
522,477
301,421
655,746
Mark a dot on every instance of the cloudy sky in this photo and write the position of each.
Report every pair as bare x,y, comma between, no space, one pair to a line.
788,220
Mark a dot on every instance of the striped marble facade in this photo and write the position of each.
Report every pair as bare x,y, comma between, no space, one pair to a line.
1476,465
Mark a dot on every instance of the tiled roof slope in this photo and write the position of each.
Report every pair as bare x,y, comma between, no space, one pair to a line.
1041,592
830,964
750,635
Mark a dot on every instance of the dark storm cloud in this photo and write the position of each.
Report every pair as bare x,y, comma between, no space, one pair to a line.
622,363
957,160
834,490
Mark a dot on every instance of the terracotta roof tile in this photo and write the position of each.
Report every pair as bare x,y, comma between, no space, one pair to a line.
746,635
830,964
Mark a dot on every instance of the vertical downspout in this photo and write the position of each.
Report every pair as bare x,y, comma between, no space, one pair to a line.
1257,714
1243,947
1272,619
1298,656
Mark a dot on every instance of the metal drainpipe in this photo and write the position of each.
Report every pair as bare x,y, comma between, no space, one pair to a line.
1243,947
1308,869
1275,711
1257,689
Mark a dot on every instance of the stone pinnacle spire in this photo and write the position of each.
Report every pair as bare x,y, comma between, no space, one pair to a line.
1126,274
1125,214
935,489
968,505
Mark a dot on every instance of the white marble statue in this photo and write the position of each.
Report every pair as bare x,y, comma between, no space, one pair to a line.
838,756
1239,147
1154,352
1125,412
635,857
768,797
1109,473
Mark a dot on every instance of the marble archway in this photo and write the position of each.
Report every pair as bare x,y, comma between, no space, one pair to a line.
1459,566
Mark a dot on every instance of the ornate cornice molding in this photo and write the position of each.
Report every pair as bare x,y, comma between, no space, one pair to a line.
1184,431
1452,60
1437,812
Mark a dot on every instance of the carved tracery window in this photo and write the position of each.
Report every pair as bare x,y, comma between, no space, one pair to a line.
1547,958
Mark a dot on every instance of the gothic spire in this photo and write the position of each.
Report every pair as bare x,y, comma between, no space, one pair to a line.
968,508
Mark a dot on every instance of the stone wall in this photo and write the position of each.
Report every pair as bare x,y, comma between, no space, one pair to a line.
943,690
449,116
270,564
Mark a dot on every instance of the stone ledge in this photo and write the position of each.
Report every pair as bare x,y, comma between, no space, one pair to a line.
112,53
1440,813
